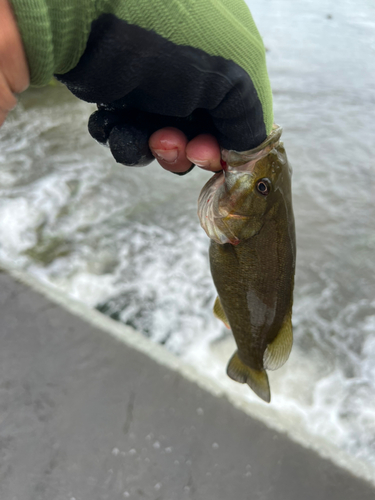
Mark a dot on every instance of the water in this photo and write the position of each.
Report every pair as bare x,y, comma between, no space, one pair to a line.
128,241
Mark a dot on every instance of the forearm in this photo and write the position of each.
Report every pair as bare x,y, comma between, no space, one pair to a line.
14,74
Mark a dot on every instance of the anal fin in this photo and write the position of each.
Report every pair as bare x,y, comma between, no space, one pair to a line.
277,352
257,380
219,312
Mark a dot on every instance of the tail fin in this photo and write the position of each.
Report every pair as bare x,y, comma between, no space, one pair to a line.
257,380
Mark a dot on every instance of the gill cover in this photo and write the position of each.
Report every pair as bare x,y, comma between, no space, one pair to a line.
221,198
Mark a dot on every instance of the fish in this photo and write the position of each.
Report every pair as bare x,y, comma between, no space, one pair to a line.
246,210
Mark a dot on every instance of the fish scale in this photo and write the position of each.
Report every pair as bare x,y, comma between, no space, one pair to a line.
247,212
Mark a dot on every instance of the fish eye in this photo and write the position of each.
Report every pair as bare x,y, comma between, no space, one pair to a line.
263,187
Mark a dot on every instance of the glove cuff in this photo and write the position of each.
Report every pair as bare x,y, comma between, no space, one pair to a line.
54,34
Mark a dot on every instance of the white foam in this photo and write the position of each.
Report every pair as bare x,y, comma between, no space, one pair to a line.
129,239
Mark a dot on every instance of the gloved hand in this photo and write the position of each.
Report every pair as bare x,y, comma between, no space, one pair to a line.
195,66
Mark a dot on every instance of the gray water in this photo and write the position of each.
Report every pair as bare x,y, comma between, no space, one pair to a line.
128,241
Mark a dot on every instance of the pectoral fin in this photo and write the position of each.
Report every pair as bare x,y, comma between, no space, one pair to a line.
219,312
257,380
277,352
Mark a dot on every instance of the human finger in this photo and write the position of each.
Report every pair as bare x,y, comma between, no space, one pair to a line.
204,151
168,145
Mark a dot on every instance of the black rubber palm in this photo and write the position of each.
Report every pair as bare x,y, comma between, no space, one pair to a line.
143,82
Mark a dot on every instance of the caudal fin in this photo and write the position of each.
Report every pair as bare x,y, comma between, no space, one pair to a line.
257,380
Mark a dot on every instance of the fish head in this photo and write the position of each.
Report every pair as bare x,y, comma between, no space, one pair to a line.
234,203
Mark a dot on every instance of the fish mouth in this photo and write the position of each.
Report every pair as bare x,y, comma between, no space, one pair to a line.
214,215
245,161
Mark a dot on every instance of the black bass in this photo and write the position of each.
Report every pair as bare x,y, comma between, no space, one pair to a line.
247,212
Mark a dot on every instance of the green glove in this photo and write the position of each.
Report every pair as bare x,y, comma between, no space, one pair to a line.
197,65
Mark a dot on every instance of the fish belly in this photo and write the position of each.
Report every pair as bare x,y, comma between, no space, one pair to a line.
231,280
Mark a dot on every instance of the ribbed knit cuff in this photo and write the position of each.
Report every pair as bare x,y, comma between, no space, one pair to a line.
54,34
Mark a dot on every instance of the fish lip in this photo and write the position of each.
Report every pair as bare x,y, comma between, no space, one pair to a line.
224,165
245,161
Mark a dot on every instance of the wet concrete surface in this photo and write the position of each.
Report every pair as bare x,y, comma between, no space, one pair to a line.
85,417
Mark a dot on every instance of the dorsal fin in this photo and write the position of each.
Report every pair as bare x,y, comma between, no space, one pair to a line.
277,352
219,312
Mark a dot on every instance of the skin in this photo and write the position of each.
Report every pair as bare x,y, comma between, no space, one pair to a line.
260,273
14,73
254,276
169,145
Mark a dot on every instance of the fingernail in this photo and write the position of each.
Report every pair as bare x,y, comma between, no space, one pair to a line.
200,163
167,155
